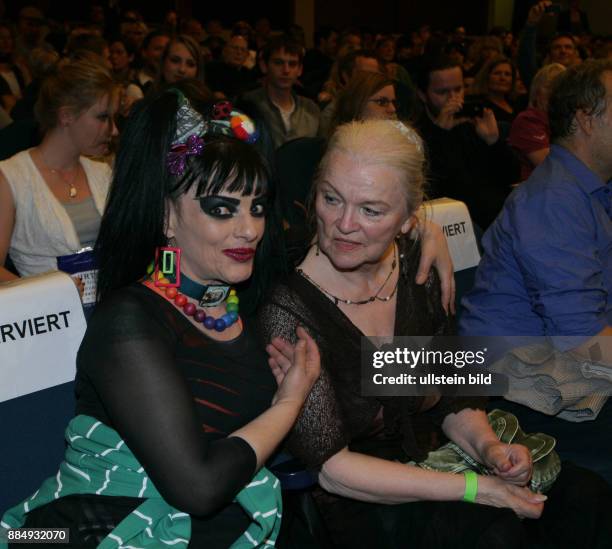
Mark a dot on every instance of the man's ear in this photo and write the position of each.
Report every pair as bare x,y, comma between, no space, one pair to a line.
301,69
584,121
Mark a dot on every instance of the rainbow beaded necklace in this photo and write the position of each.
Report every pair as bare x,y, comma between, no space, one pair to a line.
199,315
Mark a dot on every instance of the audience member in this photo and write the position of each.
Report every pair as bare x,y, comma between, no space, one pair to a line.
357,280
530,134
319,60
341,73
42,62
467,159
368,95
496,83
52,196
547,266
193,28
151,54
30,32
14,76
86,42
229,77
181,60
121,57
563,50
175,408
385,49
480,52
286,114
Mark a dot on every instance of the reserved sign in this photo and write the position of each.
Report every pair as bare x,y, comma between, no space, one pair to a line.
454,218
41,328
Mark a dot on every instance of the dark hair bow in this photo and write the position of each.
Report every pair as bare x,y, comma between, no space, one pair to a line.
178,154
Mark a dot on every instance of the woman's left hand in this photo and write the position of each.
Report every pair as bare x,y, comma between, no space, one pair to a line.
510,462
434,252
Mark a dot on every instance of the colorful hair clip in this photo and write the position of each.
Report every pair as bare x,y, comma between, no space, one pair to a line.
190,125
177,157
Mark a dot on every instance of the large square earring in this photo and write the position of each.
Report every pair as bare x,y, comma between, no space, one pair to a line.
167,267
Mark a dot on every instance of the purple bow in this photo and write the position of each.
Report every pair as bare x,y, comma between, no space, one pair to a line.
178,154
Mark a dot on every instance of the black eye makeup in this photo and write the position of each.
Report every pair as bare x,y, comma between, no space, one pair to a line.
220,207
224,207
259,206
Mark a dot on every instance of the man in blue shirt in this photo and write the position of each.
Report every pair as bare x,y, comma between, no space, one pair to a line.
547,264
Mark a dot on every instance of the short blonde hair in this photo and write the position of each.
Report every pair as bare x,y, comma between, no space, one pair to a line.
387,143
542,79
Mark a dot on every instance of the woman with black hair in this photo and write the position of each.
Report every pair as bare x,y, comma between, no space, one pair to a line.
173,419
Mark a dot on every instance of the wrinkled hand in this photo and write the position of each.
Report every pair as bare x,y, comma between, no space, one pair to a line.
434,252
486,127
498,493
295,367
536,12
512,463
446,119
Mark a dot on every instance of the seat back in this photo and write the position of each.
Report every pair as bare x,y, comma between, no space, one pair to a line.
41,328
463,239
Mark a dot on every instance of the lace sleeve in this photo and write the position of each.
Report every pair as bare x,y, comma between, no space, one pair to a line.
127,356
319,432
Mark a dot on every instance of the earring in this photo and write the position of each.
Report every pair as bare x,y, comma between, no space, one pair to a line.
167,272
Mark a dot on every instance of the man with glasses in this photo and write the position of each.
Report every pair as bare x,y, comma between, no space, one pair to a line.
286,114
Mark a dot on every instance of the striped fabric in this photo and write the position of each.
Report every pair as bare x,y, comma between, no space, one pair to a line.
97,461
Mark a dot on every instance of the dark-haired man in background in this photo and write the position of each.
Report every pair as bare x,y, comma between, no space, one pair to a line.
467,159
286,114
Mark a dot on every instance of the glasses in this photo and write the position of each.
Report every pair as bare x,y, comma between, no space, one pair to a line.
384,101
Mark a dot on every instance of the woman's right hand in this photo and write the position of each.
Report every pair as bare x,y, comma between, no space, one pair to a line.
295,367
498,493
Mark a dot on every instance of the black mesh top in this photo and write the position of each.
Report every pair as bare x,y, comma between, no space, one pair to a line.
174,395
336,414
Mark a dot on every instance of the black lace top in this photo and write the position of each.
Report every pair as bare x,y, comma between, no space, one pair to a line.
336,414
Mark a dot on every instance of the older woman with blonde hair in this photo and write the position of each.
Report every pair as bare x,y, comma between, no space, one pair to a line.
356,280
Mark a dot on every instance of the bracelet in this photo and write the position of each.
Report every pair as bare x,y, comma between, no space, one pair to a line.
471,486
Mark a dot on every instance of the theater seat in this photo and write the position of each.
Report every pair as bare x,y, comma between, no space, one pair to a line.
463,238
41,328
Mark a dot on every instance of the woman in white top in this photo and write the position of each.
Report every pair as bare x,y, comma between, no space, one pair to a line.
52,196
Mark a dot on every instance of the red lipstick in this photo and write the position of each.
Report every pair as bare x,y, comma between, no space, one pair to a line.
241,255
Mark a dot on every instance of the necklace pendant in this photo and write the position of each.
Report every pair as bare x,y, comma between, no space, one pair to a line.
72,191
214,294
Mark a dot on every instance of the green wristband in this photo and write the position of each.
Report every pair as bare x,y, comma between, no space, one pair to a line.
471,486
